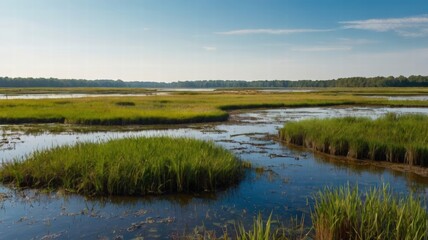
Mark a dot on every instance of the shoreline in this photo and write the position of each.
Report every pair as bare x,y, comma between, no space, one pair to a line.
399,167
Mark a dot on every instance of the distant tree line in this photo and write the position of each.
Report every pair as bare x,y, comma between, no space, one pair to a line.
401,81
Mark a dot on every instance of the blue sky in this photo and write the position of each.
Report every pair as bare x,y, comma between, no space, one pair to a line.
170,40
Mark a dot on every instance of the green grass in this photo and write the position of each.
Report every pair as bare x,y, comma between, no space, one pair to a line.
109,111
260,231
171,109
392,138
344,213
175,108
131,166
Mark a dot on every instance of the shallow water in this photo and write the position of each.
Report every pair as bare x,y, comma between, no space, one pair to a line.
285,187
402,98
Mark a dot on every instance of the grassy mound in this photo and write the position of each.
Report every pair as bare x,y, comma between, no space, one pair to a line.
131,166
393,138
344,213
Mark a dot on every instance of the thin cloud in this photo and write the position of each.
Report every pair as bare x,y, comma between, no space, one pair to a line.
209,48
420,33
408,26
356,41
322,49
272,31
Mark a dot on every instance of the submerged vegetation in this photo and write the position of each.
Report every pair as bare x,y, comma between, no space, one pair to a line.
131,166
176,108
392,138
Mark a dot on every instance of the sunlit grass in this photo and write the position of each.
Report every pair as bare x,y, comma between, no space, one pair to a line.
345,213
260,230
131,166
393,138
176,108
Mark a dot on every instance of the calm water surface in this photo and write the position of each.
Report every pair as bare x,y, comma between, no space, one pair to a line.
290,179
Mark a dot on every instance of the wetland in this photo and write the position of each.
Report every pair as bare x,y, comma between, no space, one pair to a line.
281,182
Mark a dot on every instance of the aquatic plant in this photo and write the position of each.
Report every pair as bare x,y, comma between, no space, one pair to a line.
393,138
345,213
260,230
130,166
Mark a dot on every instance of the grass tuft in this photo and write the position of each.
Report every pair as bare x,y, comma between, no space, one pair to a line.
261,230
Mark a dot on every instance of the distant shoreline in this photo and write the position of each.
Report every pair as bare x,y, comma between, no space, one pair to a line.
390,81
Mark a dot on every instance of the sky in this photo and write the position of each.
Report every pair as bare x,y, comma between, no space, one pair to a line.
177,40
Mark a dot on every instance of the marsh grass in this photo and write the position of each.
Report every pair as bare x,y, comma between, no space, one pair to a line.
175,108
392,138
345,213
131,166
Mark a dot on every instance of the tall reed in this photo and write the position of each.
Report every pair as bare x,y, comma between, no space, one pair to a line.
345,213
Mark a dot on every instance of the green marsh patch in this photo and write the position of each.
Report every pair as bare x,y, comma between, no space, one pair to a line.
392,138
130,166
